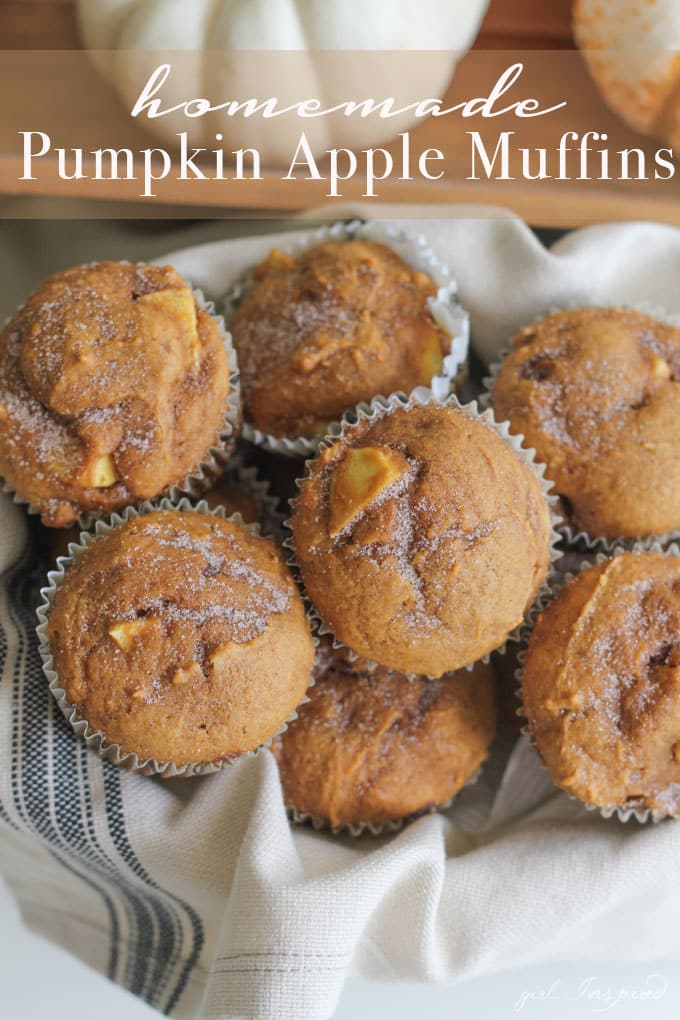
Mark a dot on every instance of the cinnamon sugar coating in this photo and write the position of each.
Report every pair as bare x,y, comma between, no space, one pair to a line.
182,637
113,387
374,747
438,566
596,392
324,330
601,684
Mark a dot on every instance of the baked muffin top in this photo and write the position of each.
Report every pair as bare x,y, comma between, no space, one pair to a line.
181,637
373,747
422,538
596,391
601,684
113,387
322,331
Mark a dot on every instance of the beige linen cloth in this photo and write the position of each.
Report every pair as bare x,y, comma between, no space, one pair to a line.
197,895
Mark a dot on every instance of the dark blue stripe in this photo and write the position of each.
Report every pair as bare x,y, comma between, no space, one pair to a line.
19,585
154,954
117,828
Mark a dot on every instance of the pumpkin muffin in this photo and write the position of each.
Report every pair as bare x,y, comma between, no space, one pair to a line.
596,392
372,747
234,497
114,384
181,637
601,684
422,538
321,331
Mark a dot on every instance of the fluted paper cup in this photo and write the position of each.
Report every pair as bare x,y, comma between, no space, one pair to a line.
97,739
202,476
356,829
446,311
574,537
559,581
257,487
421,397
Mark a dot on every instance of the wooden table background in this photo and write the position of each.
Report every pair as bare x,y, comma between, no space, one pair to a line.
511,25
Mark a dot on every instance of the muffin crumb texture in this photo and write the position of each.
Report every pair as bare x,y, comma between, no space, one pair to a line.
372,747
181,637
113,387
596,392
321,331
422,539
601,684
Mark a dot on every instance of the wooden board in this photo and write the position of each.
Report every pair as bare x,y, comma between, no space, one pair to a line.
509,24
512,29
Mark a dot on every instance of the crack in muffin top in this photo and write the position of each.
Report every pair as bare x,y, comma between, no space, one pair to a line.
445,544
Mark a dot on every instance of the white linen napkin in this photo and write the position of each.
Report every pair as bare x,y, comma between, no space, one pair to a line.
199,897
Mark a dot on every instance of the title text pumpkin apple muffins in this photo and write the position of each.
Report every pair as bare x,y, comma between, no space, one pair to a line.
181,637
596,392
338,324
114,386
422,538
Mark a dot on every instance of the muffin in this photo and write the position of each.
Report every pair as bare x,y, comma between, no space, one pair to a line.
321,331
373,747
114,384
181,637
237,491
234,497
505,668
243,490
595,391
601,684
422,538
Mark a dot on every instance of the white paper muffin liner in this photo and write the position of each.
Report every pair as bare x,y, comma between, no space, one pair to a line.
270,518
559,581
356,829
446,311
575,537
420,397
219,454
96,739
217,457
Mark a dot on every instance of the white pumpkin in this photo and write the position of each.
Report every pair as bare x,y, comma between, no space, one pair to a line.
217,38
631,48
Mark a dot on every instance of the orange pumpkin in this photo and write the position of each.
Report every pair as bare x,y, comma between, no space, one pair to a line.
632,48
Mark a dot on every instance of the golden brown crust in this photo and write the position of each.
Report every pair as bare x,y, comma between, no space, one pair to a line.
338,324
597,393
374,747
441,566
111,365
181,637
601,684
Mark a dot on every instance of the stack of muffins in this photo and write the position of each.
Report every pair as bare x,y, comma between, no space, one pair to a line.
178,635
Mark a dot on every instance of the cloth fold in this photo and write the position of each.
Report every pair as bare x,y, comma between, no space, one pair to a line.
199,897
